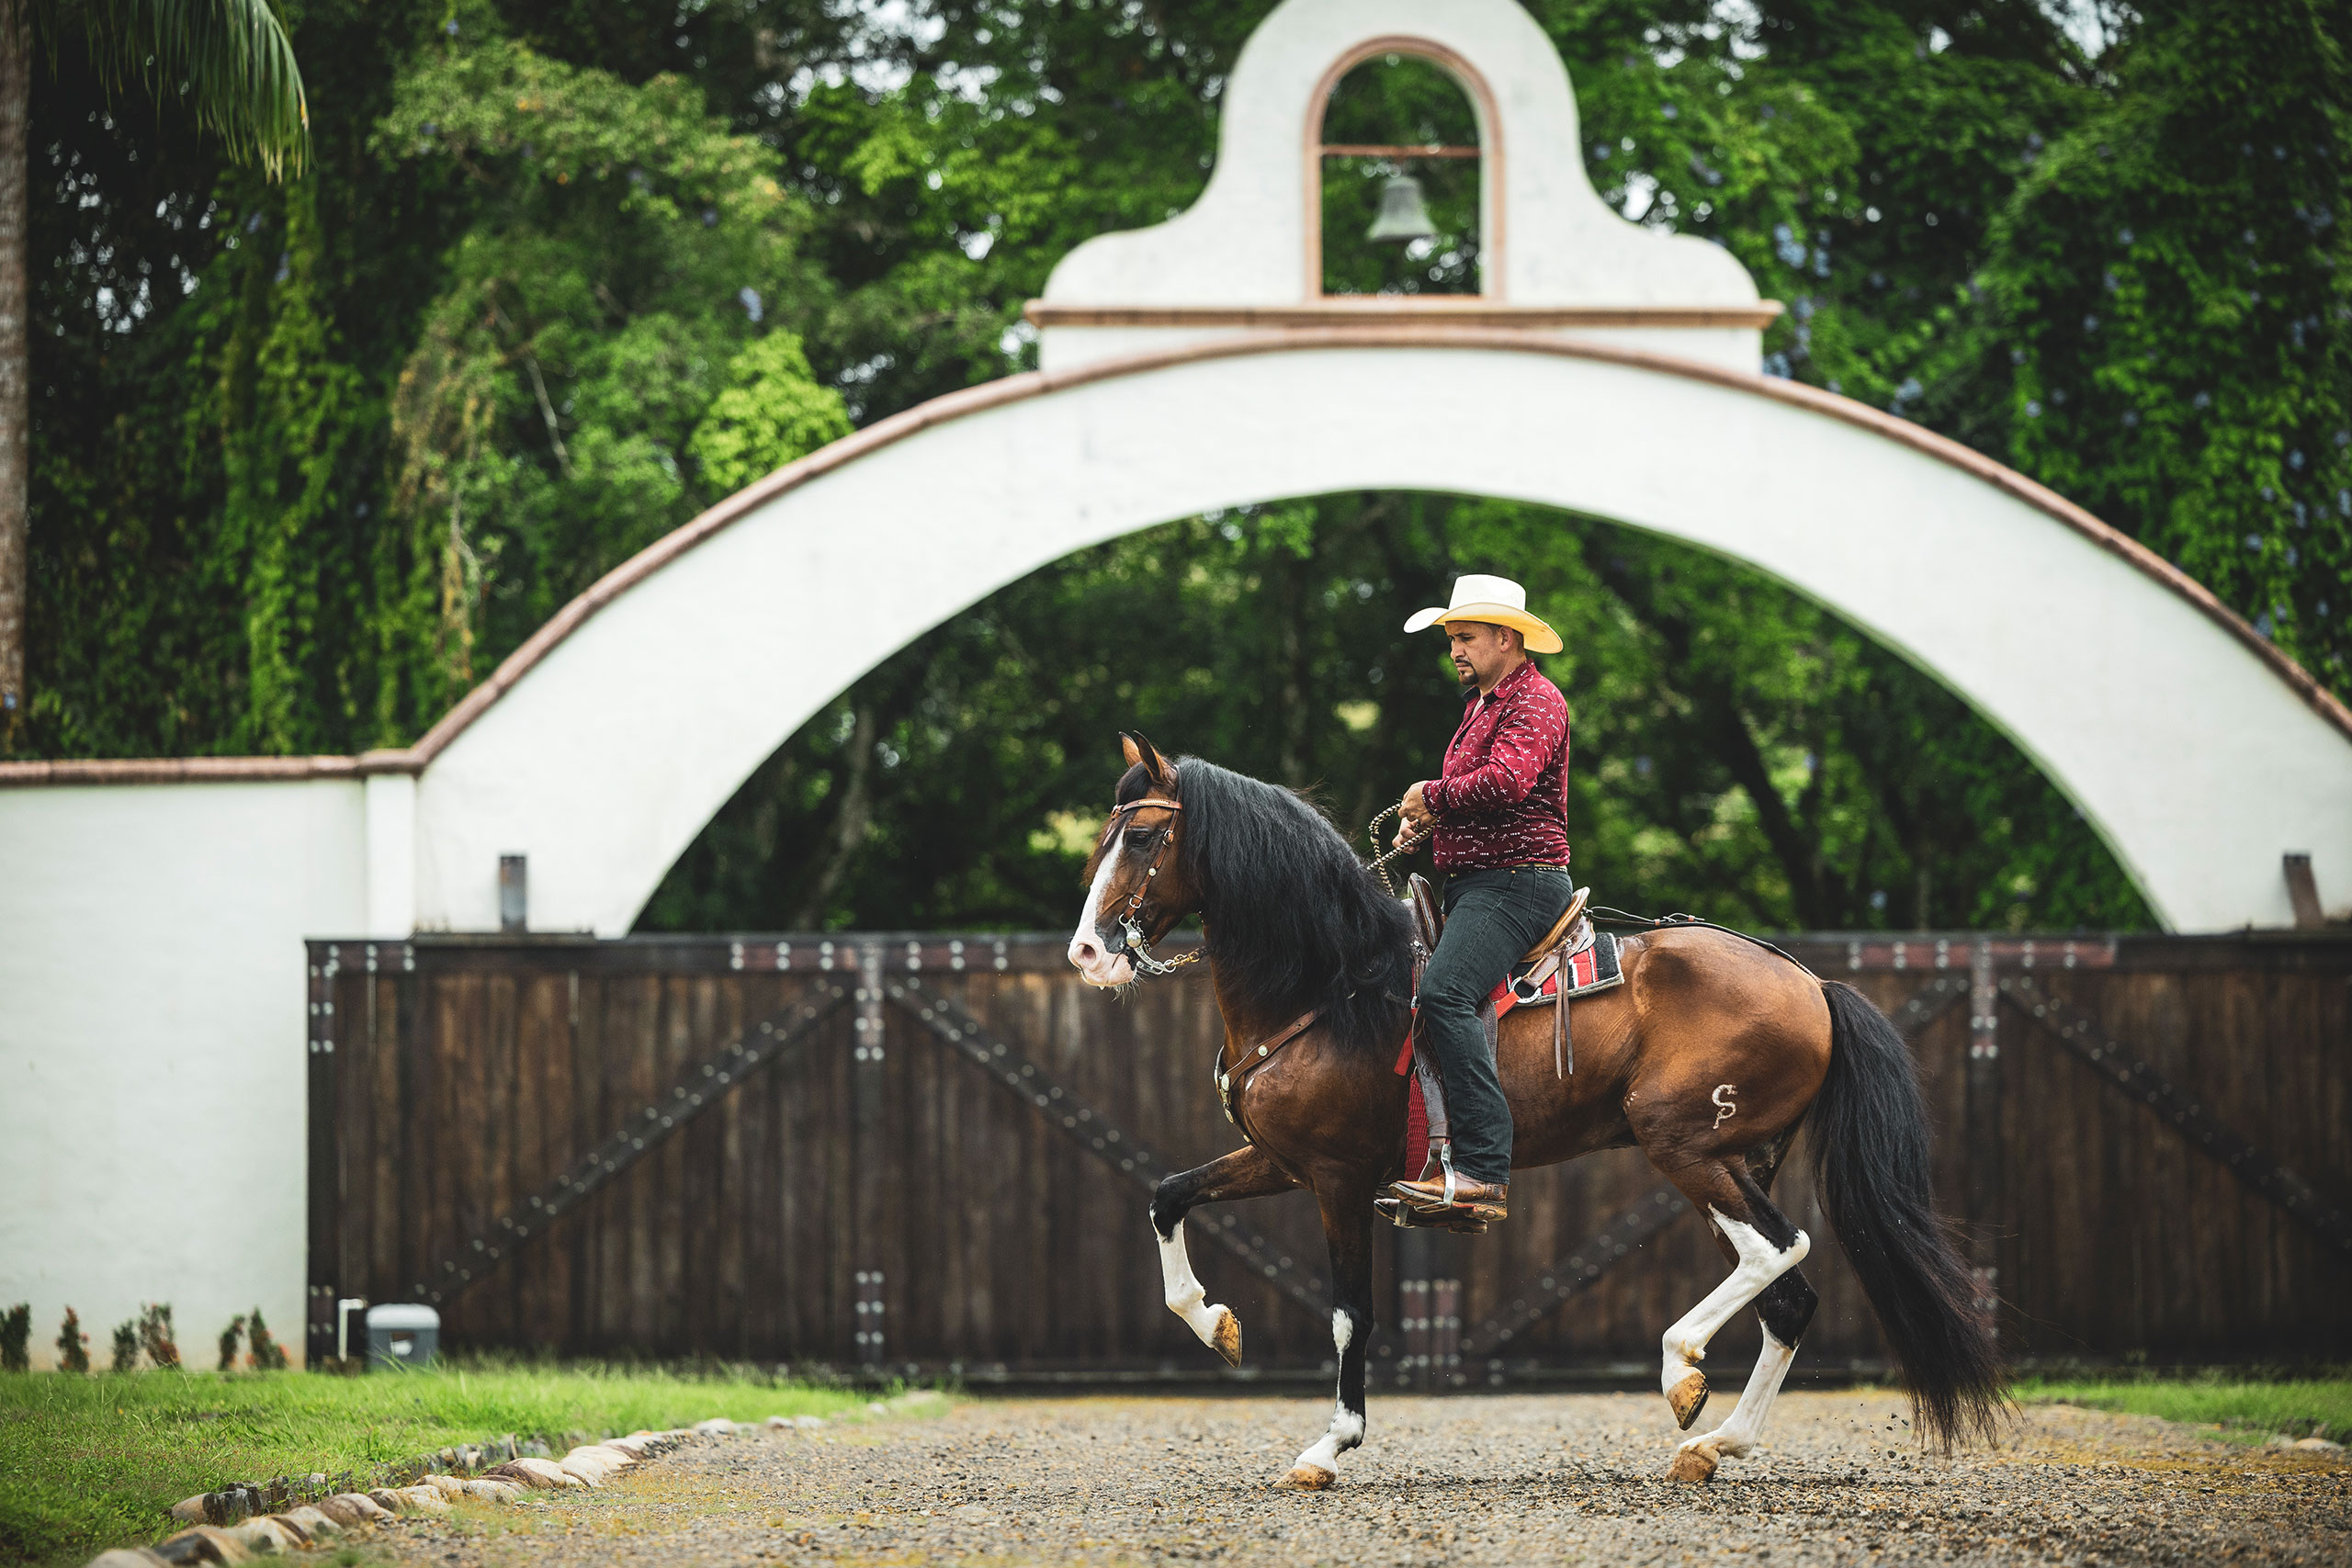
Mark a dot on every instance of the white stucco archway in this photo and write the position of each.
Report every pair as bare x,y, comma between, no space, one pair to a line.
2194,750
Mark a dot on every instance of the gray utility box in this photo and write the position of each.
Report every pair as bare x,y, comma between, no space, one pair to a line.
402,1335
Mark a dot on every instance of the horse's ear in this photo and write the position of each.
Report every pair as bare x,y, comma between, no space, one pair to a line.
1141,753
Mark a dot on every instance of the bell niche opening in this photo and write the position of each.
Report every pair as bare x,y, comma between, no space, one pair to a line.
1401,172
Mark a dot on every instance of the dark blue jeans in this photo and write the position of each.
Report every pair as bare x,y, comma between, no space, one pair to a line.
1491,918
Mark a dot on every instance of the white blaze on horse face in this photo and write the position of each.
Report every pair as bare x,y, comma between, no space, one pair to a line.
1759,1264
1096,963
1185,1295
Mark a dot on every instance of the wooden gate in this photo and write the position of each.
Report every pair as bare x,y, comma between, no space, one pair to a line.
929,1156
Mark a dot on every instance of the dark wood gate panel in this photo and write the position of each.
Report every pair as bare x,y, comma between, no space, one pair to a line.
893,1152
865,1197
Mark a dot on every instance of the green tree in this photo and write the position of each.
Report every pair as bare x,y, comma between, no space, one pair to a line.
74,1346
625,255
223,559
1946,107
229,65
15,1331
770,410
215,352
2173,289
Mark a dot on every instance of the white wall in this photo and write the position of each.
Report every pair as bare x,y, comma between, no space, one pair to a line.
152,1046
2191,756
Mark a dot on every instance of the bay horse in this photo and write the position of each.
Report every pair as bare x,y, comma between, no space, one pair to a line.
1297,932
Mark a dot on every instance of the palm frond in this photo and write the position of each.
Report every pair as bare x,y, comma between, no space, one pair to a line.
228,62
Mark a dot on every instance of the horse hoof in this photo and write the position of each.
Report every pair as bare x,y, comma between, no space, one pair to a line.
1692,1464
1307,1478
1226,1340
1689,1397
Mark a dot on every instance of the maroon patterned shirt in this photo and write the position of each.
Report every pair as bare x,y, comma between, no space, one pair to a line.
1501,800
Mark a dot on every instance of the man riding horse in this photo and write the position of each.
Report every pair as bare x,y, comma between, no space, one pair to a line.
1708,1055
1496,817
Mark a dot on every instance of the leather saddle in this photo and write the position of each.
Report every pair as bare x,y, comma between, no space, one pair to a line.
1429,921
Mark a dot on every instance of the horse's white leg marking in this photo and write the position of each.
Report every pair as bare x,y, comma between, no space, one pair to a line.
1319,1465
1104,969
1738,1435
1760,1265
1188,1300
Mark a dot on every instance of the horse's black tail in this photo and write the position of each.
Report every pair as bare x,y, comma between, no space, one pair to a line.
1869,1134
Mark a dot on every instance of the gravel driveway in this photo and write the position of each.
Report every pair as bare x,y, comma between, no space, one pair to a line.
1521,1478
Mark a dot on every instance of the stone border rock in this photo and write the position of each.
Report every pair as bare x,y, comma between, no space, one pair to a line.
229,1528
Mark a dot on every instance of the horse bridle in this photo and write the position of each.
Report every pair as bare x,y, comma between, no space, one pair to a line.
1139,950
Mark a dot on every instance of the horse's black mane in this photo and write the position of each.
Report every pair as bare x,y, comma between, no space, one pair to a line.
1294,920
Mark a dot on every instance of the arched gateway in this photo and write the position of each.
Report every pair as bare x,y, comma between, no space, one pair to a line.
2198,753
1604,367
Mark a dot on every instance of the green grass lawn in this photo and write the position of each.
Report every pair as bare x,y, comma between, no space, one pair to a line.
89,1462
2299,1407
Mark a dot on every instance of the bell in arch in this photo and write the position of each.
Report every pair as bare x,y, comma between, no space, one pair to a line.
1404,213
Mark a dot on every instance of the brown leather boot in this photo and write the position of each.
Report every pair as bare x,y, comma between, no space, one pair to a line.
1485,1200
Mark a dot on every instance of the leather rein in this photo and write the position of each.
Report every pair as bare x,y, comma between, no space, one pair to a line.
1230,1081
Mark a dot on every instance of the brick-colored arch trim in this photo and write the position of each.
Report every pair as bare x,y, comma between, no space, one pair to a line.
1038,384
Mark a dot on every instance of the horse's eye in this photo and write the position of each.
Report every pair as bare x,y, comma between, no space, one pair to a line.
1141,837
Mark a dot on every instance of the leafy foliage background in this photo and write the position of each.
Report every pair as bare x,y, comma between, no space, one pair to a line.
311,459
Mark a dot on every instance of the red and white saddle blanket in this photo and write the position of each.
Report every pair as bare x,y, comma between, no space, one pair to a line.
1590,966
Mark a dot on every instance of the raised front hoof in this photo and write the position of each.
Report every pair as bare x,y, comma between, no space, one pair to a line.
1688,1398
1692,1464
1306,1478
1227,1338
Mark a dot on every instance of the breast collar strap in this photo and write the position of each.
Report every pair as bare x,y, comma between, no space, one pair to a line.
1230,1080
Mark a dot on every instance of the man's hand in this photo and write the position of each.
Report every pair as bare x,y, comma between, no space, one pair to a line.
1413,816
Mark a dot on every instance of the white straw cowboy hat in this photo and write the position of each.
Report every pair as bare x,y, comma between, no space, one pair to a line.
1498,600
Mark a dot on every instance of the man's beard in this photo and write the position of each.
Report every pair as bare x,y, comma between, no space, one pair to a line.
1468,683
